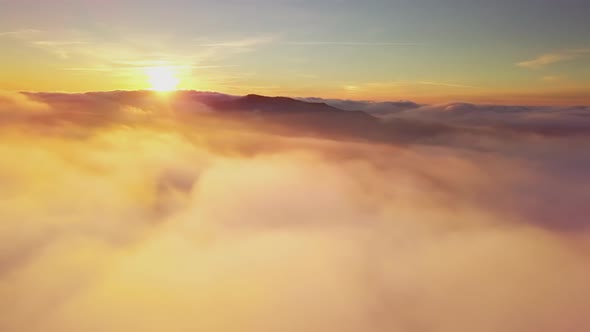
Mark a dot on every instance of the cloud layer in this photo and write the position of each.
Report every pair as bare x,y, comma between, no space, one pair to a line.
130,211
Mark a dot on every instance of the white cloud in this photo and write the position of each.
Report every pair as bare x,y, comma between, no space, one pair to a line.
125,211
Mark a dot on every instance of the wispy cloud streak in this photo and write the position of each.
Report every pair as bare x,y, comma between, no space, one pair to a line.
242,43
551,58
348,43
17,33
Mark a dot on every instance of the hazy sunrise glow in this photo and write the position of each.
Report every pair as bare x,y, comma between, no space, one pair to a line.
294,166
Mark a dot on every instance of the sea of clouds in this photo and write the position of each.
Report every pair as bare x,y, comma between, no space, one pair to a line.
131,211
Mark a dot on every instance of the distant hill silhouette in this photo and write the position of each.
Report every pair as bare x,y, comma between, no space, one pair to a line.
321,119
259,103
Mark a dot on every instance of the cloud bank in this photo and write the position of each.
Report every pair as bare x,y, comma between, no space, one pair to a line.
130,211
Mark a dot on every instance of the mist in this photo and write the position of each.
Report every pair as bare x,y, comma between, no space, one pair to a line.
140,212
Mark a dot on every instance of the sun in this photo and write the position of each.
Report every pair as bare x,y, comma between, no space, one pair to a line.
162,78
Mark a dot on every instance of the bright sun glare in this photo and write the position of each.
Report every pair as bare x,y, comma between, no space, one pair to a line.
162,78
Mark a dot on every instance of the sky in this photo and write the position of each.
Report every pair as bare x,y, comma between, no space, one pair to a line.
507,52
